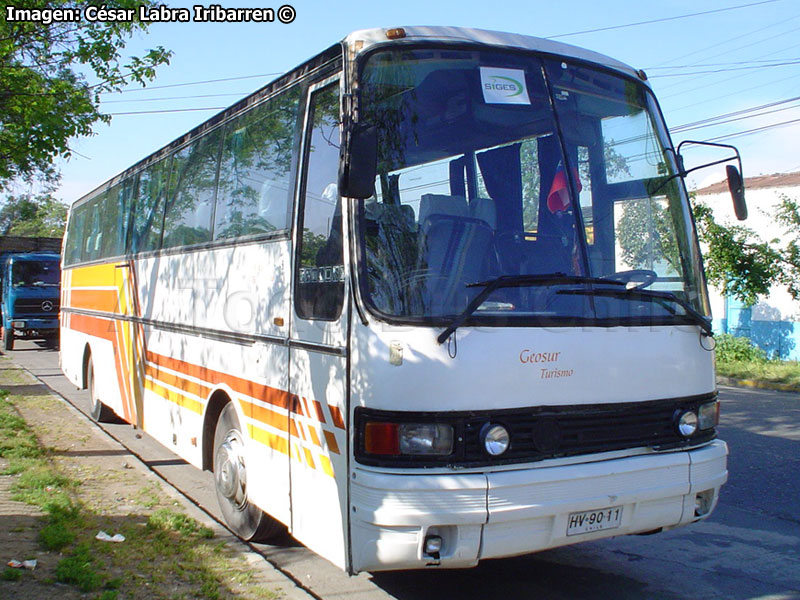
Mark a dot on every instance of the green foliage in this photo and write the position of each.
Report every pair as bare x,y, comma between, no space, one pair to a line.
737,260
736,349
10,574
78,569
45,97
17,442
28,215
169,520
61,526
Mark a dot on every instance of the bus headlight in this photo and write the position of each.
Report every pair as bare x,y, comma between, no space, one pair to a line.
687,423
709,415
415,439
495,438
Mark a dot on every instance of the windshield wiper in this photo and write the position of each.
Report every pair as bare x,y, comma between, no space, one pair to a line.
699,318
507,281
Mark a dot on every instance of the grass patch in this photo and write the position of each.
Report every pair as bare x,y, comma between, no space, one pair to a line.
18,444
169,520
79,569
10,574
172,552
771,371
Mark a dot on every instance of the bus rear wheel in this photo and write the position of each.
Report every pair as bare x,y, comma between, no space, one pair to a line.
99,413
230,479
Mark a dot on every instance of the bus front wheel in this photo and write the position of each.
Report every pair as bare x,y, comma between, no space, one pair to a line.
100,413
230,479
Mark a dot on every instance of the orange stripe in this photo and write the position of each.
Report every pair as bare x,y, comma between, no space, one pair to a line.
191,387
122,359
269,417
319,411
336,415
102,328
105,329
331,439
276,397
102,300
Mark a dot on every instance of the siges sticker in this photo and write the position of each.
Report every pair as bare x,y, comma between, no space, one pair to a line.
504,86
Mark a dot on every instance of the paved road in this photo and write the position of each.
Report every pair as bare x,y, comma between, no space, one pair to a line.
749,549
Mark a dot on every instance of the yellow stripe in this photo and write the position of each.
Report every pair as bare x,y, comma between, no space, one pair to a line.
95,275
326,465
172,396
271,440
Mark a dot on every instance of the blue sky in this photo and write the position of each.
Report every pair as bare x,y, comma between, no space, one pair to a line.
745,46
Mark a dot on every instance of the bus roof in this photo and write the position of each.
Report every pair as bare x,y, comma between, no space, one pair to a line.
371,37
362,40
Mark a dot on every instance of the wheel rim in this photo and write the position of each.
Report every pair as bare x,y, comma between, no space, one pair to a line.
229,470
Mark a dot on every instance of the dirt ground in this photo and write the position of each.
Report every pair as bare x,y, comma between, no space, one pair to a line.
119,493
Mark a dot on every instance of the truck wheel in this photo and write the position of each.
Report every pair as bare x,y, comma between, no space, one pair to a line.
8,339
230,478
100,413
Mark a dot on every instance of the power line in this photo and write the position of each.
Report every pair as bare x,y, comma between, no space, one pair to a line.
708,121
724,64
712,83
173,85
737,39
241,95
159,112
783,64
707,12
752,131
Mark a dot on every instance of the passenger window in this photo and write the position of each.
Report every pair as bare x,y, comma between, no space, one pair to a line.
149,215
93,234
320,277
75,236
191,202
255,177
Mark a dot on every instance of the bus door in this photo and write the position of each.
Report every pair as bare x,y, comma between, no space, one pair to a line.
318,356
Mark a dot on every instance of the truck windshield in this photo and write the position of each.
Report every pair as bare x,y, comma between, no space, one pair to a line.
44,273
498,164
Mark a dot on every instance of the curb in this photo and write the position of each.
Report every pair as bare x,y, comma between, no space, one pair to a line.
756,384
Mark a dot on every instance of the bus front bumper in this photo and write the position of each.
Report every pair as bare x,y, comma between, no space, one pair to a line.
490,515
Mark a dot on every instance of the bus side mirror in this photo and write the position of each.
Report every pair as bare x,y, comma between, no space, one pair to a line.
736,187
359,166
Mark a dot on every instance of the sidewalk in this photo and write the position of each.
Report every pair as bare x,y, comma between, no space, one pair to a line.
118,489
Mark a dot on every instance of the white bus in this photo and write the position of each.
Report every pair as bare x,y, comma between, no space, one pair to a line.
432,297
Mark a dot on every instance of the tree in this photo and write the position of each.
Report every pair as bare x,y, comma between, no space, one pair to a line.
45,96
29,215
741,263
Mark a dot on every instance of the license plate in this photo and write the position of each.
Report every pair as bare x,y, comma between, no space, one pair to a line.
594,520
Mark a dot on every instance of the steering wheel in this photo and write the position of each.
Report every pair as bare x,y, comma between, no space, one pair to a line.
635,279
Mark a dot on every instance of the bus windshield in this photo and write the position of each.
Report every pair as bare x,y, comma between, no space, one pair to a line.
506,164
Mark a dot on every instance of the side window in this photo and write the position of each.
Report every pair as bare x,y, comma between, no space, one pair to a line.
93,234
320,277
149,217
190,207
75,235
111,242
254,194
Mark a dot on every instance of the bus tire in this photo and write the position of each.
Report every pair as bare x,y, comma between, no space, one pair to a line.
230,480
100,413
8,339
